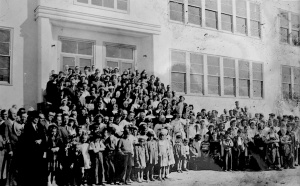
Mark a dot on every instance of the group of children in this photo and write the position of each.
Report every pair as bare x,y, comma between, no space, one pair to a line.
117,128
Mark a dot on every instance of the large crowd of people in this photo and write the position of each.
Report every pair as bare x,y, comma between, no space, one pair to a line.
122,127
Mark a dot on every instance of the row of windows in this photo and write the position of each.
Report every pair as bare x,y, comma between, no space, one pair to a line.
121,5
193,11
202,74
290,28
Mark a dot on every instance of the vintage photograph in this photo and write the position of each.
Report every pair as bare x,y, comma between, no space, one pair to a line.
149,92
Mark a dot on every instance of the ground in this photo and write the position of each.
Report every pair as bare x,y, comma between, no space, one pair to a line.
290,177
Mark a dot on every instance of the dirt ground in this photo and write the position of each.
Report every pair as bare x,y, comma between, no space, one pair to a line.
290,177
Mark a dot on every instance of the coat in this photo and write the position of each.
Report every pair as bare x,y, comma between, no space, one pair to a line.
152,149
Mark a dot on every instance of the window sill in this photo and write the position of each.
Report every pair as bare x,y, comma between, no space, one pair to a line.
5,84
216,96
102,8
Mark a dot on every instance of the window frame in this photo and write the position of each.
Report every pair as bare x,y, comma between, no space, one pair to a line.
201,14
115,9
227,14
183,11
292,83
119,60
11,32
221,76
290,28
239,16
76,56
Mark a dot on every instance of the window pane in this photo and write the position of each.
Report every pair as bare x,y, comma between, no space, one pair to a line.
229,63
196,83
296,92
286,70
255,28
4,62
178,82
284,35
85,62
126,53
226,22
287,90
83,1
241,25
211,19
97,2
113,52
212,70
257,71
213,61
211,4
112,64
244,87
70,61
295,38
195,2
226,6
295,21
212,80
229,72
126,66
241,9
85,48
213,85
122,4
286,78
243,65
179,67
178,56
4,48
4,75
4,36
196,69
254,12
176,11
284,20
229,86
296,76
197,59
194,15
108,3
69,46
257,89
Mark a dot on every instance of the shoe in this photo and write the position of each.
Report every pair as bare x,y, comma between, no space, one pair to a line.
126,183
180,171
185,170
152,179
292,167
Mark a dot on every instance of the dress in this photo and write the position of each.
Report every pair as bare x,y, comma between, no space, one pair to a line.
171,153
163,151
86,156
141,156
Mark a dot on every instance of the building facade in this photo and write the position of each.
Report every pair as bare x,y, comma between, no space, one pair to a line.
214,52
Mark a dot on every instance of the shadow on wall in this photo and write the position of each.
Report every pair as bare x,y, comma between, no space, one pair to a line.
28,31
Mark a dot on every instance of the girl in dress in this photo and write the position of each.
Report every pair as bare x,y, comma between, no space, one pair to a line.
140,158
84,149
152,149
163,152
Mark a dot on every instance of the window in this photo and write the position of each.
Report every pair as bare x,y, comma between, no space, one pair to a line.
121,56
5,56
121,5
241,17
257,71
255,19
295,30
244,78
177,10
287,82
194,11
296,83
201,74
76,53
178,71
211,13
229,77
226,15
213,71
196,73
284,27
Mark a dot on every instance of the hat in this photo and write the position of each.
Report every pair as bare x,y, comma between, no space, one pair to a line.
83,75
150,133
169,116
178,134
164,131
150,116
272,114
133,127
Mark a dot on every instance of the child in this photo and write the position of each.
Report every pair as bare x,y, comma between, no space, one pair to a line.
84,148
97,164
273,158
54,144
239,151
227,156
185,154
140,158
285,144
163,152
178,152
152,149
205,149
215,147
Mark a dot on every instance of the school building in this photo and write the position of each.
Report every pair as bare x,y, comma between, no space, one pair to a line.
212,51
